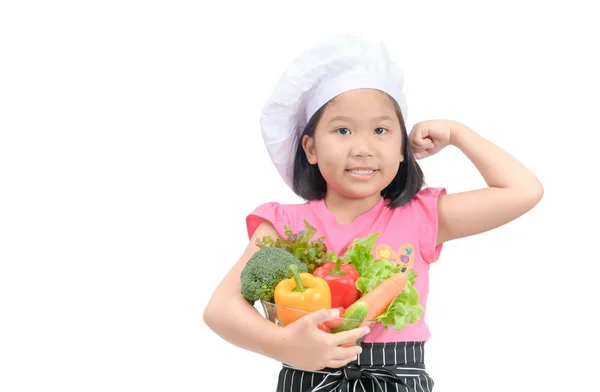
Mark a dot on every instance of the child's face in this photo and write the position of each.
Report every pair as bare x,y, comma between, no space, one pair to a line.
357,143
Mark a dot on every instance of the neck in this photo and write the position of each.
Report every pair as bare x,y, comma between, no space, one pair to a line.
347,209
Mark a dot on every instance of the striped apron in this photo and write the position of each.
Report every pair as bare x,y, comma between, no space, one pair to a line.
381,367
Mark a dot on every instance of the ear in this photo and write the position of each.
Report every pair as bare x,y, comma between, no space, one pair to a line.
308,144
401,156
405,149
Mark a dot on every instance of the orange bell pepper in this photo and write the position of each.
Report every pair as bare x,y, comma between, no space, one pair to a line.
299,295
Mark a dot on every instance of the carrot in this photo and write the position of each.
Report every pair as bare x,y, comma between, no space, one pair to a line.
379,298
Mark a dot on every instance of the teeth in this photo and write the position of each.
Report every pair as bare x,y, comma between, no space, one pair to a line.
361,171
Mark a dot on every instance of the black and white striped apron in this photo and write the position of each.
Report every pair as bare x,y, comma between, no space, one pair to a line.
381,367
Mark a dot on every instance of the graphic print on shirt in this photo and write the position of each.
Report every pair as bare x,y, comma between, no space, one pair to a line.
404,257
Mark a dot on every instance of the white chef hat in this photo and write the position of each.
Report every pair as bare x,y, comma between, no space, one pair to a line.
331,67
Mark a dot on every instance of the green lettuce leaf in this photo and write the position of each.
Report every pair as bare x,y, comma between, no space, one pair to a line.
360,253
312,252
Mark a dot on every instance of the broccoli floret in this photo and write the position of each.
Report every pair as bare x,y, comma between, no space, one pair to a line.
265,269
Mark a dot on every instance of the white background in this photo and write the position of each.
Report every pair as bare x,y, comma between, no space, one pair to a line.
130,154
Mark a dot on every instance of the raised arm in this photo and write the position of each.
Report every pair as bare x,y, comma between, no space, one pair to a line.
512,189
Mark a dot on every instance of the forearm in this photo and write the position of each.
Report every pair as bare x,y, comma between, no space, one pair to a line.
512,189
239,323
498,168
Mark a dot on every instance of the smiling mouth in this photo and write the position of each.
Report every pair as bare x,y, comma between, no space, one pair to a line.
361,171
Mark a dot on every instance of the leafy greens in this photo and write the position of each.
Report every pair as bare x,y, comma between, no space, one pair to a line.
405,308
301,245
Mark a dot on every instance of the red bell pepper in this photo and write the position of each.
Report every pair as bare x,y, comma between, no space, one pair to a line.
341,279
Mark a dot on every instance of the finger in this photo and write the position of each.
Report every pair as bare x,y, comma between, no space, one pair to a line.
343,353
320,316
420,146
421,154
334,364
415,145
349,336
425,142
416,148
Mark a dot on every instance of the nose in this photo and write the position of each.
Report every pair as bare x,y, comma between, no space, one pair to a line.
362,146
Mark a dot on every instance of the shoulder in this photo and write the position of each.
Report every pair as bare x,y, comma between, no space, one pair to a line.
278,214
425,201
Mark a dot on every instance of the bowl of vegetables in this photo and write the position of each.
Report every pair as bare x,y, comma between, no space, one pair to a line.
295,276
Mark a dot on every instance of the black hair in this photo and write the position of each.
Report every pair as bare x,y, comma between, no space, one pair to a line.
308,182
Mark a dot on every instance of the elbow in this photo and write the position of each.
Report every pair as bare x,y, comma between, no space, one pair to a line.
209,315
540,192
533,194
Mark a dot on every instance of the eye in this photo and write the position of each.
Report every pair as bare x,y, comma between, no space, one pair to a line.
380,131
343,131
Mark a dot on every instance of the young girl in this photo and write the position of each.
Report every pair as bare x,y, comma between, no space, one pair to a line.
335,129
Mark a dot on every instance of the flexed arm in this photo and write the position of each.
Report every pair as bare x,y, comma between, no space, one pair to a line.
512,189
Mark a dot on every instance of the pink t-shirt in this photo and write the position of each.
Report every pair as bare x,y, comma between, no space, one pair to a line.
408,234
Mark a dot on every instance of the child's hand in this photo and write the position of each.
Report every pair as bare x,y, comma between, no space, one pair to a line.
429,137
307,347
